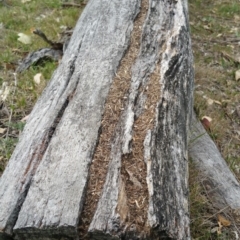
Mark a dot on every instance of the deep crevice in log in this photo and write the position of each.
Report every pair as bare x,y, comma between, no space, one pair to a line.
113,109
133,165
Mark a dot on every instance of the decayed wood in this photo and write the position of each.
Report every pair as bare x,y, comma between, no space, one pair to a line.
220,183
165,53
96,108
166,146
63,127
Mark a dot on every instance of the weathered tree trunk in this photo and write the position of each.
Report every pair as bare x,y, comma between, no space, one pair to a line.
220,183
104,151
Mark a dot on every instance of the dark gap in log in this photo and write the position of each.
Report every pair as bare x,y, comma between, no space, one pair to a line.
33,164
133,165
113,110
30,162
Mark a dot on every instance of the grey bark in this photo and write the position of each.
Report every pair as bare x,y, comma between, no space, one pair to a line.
220,183
43,188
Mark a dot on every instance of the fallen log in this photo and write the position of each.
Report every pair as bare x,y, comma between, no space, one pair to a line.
104,152
220,184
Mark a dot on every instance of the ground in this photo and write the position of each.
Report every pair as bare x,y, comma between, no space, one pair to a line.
215,33
216,43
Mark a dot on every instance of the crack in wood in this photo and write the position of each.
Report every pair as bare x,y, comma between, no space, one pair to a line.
36,160
133,166
31,158
114,107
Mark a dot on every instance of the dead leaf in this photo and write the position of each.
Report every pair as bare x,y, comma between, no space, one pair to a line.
211,101
3,130
23,38
38,78
236,17
219,230
25,118
213,230
206,122
217,102
206,27
4,92
236,235
25,1
237,75
4,110
223,221
234,30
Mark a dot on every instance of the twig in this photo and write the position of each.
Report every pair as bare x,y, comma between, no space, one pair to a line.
214,215
4,3
73,4
11,111
54,45
227,41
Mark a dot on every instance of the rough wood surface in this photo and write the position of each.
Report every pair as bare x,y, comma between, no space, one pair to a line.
220,183
63,127
165,52
166,145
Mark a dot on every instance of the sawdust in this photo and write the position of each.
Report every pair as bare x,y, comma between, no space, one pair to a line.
133,166
133,169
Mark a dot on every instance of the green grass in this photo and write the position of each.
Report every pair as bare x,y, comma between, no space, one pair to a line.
50,17
229,9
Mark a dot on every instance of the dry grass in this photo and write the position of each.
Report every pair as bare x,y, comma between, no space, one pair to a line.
215,34
133,164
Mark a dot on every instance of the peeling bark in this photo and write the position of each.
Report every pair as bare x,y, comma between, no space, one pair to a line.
104,153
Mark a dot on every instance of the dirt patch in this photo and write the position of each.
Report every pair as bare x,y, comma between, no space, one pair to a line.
113,109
